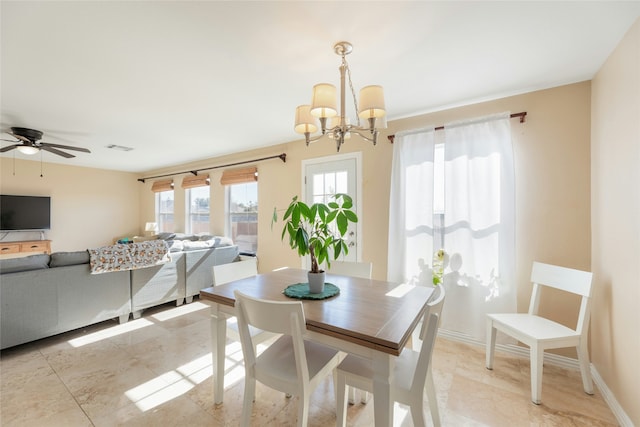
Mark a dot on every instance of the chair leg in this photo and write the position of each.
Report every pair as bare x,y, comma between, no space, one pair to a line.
583,358
537,357
341,401
491,343
433,398
352,395
417,415
249,396
303,409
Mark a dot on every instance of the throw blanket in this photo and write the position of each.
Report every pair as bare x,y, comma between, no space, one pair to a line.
129,256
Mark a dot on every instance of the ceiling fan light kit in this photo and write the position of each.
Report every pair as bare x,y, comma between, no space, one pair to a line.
324,106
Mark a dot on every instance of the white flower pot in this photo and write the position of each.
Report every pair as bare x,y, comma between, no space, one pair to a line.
316,282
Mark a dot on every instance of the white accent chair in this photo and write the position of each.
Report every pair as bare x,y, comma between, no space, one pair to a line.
411,372
541,334
352,269
290,364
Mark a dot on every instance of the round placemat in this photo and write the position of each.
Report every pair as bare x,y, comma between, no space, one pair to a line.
301,291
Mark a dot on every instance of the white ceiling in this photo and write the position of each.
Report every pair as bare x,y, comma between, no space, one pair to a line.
182,81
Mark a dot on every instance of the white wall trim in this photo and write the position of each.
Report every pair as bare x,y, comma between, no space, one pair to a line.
552,359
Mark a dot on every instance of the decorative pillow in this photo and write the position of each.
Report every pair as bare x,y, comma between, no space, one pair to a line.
175,245
32,262
194,246
166,236
223,241
182,236
62,259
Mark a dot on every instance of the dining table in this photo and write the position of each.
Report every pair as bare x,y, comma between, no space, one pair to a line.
369,318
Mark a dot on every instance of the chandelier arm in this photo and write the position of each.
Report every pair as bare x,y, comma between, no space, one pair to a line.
361,133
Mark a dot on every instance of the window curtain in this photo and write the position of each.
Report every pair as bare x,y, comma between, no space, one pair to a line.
479,212
411,208
479,223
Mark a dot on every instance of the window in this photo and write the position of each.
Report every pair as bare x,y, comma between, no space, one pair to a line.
164,211
242,219
197,202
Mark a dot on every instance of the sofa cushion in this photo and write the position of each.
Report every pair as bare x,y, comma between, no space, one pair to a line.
166,236
32,262
61,259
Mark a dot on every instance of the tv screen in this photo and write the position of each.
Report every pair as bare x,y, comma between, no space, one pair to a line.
25,212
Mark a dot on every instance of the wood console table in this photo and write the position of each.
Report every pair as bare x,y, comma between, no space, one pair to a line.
25,247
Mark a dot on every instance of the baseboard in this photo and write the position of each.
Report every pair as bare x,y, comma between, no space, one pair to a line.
552,359
621,416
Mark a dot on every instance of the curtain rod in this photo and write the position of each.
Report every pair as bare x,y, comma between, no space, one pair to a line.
282,157
522,115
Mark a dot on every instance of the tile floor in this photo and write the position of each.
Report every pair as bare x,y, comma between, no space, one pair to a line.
156,371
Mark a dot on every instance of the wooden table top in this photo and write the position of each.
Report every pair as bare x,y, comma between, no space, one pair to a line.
372,313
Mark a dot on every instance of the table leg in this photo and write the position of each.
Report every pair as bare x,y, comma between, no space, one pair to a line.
218,347
382,377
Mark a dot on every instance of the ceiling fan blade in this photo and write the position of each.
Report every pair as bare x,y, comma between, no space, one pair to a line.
56,151
8,140
9,147
20,137
67,147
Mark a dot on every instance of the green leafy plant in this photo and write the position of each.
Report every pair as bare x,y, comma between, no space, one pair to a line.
318,230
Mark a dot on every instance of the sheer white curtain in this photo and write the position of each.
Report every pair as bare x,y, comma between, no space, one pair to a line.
479,223
478,218
411,208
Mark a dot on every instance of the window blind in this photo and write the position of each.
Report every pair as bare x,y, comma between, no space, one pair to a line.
193,181
164,185
239,176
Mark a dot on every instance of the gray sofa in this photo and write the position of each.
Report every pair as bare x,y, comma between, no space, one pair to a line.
42,295
190,270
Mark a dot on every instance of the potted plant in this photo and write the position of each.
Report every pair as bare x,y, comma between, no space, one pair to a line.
318,231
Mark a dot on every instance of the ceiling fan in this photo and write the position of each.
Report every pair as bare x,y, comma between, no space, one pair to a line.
29,140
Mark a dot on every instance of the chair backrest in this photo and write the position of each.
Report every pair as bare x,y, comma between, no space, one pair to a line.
282,317
426,350
225,273
434,305
353,269
566,279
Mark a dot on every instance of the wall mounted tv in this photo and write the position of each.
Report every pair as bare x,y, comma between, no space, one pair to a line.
25,212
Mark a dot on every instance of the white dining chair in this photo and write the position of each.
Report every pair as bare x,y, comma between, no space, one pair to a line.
290,364
352,269
411,372
540,333
225,273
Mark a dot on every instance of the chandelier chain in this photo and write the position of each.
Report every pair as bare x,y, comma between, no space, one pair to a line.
353,92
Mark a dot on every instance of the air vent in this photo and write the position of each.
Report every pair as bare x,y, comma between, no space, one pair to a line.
119,147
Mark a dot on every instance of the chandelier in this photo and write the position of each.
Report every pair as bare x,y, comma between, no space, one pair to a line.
323,107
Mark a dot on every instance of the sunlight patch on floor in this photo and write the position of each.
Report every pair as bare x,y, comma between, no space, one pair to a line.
109,332
177,382
179,311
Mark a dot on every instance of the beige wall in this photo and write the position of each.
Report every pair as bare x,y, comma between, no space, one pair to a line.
615,209
89,207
